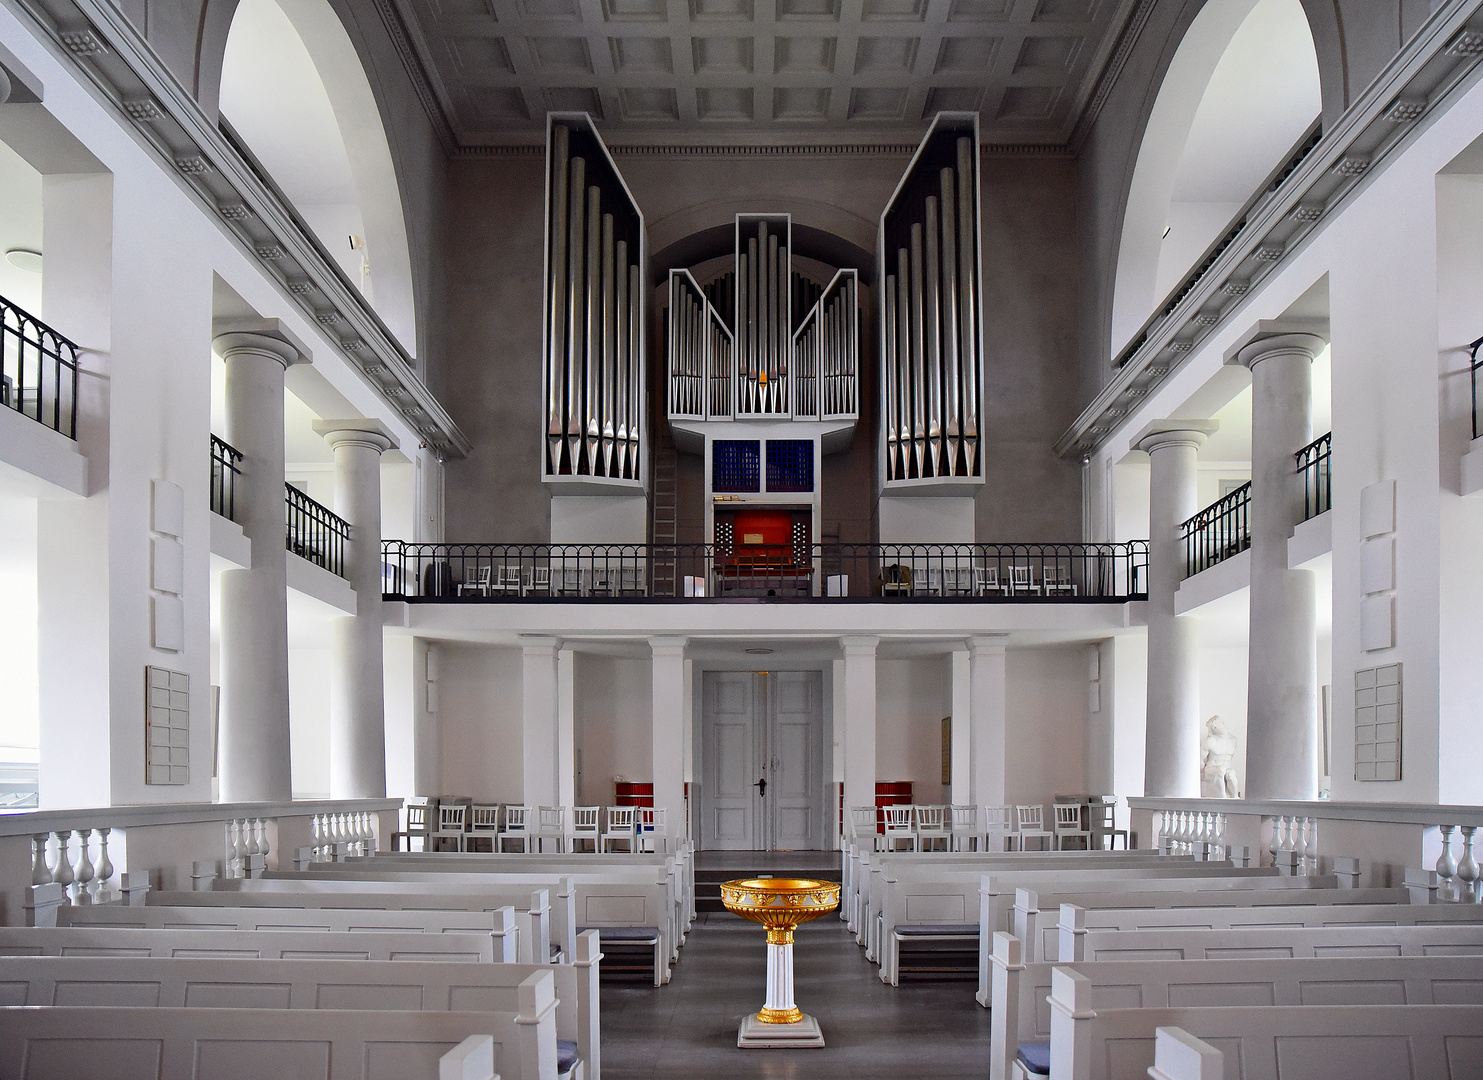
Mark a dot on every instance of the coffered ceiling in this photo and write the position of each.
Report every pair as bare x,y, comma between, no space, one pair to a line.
651,70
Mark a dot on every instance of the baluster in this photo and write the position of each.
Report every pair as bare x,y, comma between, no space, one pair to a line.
62,872
249,836
262,839
362,833
229,861
316,837
1300,845
40,872
1164,832
1446,865
1313,858
105,865
82,873
1275,843
1467,867
1221,821
342,838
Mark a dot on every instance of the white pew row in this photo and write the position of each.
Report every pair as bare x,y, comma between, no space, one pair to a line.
306,984
1021,1013
1178,1055
245,944
498,925
249,1044
1302,1042
532,907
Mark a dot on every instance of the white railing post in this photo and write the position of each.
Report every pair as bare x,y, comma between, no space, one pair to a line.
1446,864
62,873
40,872
82,873
104,868
1467,867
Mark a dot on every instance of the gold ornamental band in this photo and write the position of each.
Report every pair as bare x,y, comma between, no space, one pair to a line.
780,1016
780,935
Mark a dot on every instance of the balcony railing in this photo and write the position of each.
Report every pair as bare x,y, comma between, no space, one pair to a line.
1038,573
226,466
38,370
1218,532
1313,464
315,532
1476,364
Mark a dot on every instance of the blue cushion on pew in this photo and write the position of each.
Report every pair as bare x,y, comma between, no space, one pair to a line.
643,935
938,930
1035,1057
566,1055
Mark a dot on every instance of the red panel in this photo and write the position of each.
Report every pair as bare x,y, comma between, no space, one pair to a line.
774,527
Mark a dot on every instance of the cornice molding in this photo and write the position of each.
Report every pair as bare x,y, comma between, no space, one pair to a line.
521,150
415,65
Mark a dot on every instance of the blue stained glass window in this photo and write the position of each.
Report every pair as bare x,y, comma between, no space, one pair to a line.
790,465
736,465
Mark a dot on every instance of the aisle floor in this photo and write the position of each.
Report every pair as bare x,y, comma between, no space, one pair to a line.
922,1030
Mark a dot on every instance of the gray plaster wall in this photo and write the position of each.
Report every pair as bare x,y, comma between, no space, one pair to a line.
492,327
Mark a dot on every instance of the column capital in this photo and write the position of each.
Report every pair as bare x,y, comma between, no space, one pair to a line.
539,645
357,432
266,337
987,644
668,646
1162,433
1279,337
860,645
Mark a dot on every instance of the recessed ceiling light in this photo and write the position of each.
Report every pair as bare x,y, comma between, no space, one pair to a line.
24,259
759,652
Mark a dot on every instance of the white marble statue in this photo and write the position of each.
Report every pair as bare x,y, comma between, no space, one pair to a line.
1217,777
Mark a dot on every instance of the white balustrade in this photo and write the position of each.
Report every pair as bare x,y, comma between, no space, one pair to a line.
1467,869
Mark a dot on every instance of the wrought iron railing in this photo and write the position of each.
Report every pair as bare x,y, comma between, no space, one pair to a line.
315,532
1313,463
1476,364
1040,573
38,370
226,466
1218,532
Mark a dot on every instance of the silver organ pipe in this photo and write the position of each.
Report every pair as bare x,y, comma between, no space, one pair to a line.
931,341
594,344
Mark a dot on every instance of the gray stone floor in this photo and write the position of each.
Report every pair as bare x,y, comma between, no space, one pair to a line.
922,1029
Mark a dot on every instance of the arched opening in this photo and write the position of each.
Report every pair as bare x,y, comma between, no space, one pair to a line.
294,89
1241,90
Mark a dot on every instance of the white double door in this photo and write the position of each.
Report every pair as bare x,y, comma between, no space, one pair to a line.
762,761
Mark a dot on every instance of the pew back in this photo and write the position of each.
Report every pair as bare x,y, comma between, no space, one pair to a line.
245,944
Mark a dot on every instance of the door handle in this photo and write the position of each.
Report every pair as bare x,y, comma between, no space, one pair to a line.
761,786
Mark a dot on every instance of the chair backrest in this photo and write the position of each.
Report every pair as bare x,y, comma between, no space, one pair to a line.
986,576
571,578
898,818
451,816
1068,817
551,819
416,817
931,818
653,818
585,819
541,577
485,817
1019,577
998,819
516,819
965,819
862,820
1030,817
1100,815
509,576
620,819
918,577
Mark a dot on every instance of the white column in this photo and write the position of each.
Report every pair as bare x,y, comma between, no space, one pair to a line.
669,729
1172,736
779,977
540,695
858,690
255,764
566,727
357,683
1282,674
987,725
962,731
427,764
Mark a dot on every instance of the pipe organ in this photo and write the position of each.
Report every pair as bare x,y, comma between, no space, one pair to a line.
931,333
763,342
594,319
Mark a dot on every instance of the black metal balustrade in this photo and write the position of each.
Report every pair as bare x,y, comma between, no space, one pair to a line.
1476,364
1313,464
315,532
226,466
1218,532
38,370
1040,573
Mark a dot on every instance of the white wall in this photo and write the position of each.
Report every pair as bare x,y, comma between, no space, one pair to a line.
1046,714
309,720
614,723
912,697
480,721
20,717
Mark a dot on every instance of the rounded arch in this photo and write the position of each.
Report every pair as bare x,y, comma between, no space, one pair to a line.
1240,90
719,241
293,86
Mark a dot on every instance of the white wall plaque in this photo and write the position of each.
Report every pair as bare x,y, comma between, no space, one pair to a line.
1377,564
167,726
1377,623
1377,508
1377,723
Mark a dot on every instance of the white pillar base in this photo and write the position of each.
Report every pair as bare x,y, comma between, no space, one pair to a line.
755,1035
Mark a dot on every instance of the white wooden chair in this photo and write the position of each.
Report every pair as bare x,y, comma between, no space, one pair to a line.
1057,580
452,824
957,581
932,823
417,819
508,580
652,828
862,827
601,580
483,825
479,582
986,580
537,580
550,825
999,826
568,581
619,827
584,828
921,581
1030,825
516,828
631,581
1069,826
1022,580
1102,822
964,826
899,827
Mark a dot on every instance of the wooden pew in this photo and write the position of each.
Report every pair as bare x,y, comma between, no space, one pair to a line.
249,1044
245,944
1021,1014
1455,938
307,984
1294,1042
497,925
